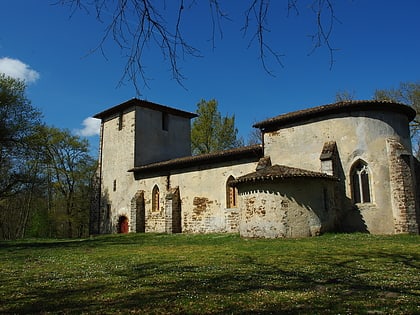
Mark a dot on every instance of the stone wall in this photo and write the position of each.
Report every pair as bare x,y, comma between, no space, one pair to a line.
155,143
402,188
136,135
192,199
202,197
173,211
358,136
287,208
116,157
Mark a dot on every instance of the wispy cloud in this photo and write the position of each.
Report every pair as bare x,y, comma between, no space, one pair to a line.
91,127
18,70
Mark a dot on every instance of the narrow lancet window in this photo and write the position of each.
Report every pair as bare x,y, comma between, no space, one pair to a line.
231,194
360,183
155,198
165,121
120,121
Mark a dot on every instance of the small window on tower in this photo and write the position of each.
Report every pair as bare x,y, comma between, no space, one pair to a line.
120,121
114,188
165,121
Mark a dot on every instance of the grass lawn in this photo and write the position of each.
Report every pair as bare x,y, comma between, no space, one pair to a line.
212,274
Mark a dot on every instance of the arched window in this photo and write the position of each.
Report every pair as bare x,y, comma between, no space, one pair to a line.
231,194
155,198
360,182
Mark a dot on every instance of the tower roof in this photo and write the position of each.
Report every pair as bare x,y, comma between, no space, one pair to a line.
134,102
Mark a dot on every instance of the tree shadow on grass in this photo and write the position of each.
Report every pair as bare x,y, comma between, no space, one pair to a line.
105,240
242,285
343,289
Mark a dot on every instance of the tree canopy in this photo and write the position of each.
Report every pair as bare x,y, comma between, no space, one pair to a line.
69,169
45,172
18,123
407,93
210,131
345,95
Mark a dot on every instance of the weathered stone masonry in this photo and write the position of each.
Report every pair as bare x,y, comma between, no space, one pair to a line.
346,166
402,183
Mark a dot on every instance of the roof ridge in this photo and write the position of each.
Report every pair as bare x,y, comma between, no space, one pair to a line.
278,171
207,157
146,104
337,107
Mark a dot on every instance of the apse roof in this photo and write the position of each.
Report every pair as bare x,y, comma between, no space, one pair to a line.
281,172
336,108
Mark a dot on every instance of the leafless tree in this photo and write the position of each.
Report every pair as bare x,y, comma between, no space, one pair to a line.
136,25
345,95
255,136
407,93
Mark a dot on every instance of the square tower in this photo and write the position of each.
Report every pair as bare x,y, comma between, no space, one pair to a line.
135,133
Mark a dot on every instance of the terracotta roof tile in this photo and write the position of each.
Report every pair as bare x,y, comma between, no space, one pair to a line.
215,157
328,150
281,172
146,104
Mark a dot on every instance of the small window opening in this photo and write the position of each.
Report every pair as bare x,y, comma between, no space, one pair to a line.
108,211
165,121
360,183
231,194
114,186
155,198
120,121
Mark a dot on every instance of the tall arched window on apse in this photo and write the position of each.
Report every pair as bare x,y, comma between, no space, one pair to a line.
360,182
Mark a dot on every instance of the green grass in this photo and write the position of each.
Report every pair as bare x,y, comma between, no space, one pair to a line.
212,274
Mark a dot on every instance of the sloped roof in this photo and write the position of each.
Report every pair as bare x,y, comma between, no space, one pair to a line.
328,150
340,107
254,151
281,172
145,104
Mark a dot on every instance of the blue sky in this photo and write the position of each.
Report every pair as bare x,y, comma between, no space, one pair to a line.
377,42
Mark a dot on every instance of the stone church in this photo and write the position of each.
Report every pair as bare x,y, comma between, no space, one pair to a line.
343,167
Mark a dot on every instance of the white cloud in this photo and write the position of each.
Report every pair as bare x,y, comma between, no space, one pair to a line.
18,70
91,127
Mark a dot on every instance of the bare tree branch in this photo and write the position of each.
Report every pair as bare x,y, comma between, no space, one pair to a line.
138,25
259,9
217,14
325,25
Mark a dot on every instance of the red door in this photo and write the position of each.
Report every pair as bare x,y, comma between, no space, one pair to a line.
123,225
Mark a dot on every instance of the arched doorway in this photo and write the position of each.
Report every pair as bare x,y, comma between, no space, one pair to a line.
138,213
123,224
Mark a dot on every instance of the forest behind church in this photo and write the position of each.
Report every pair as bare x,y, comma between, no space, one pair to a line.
45,172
